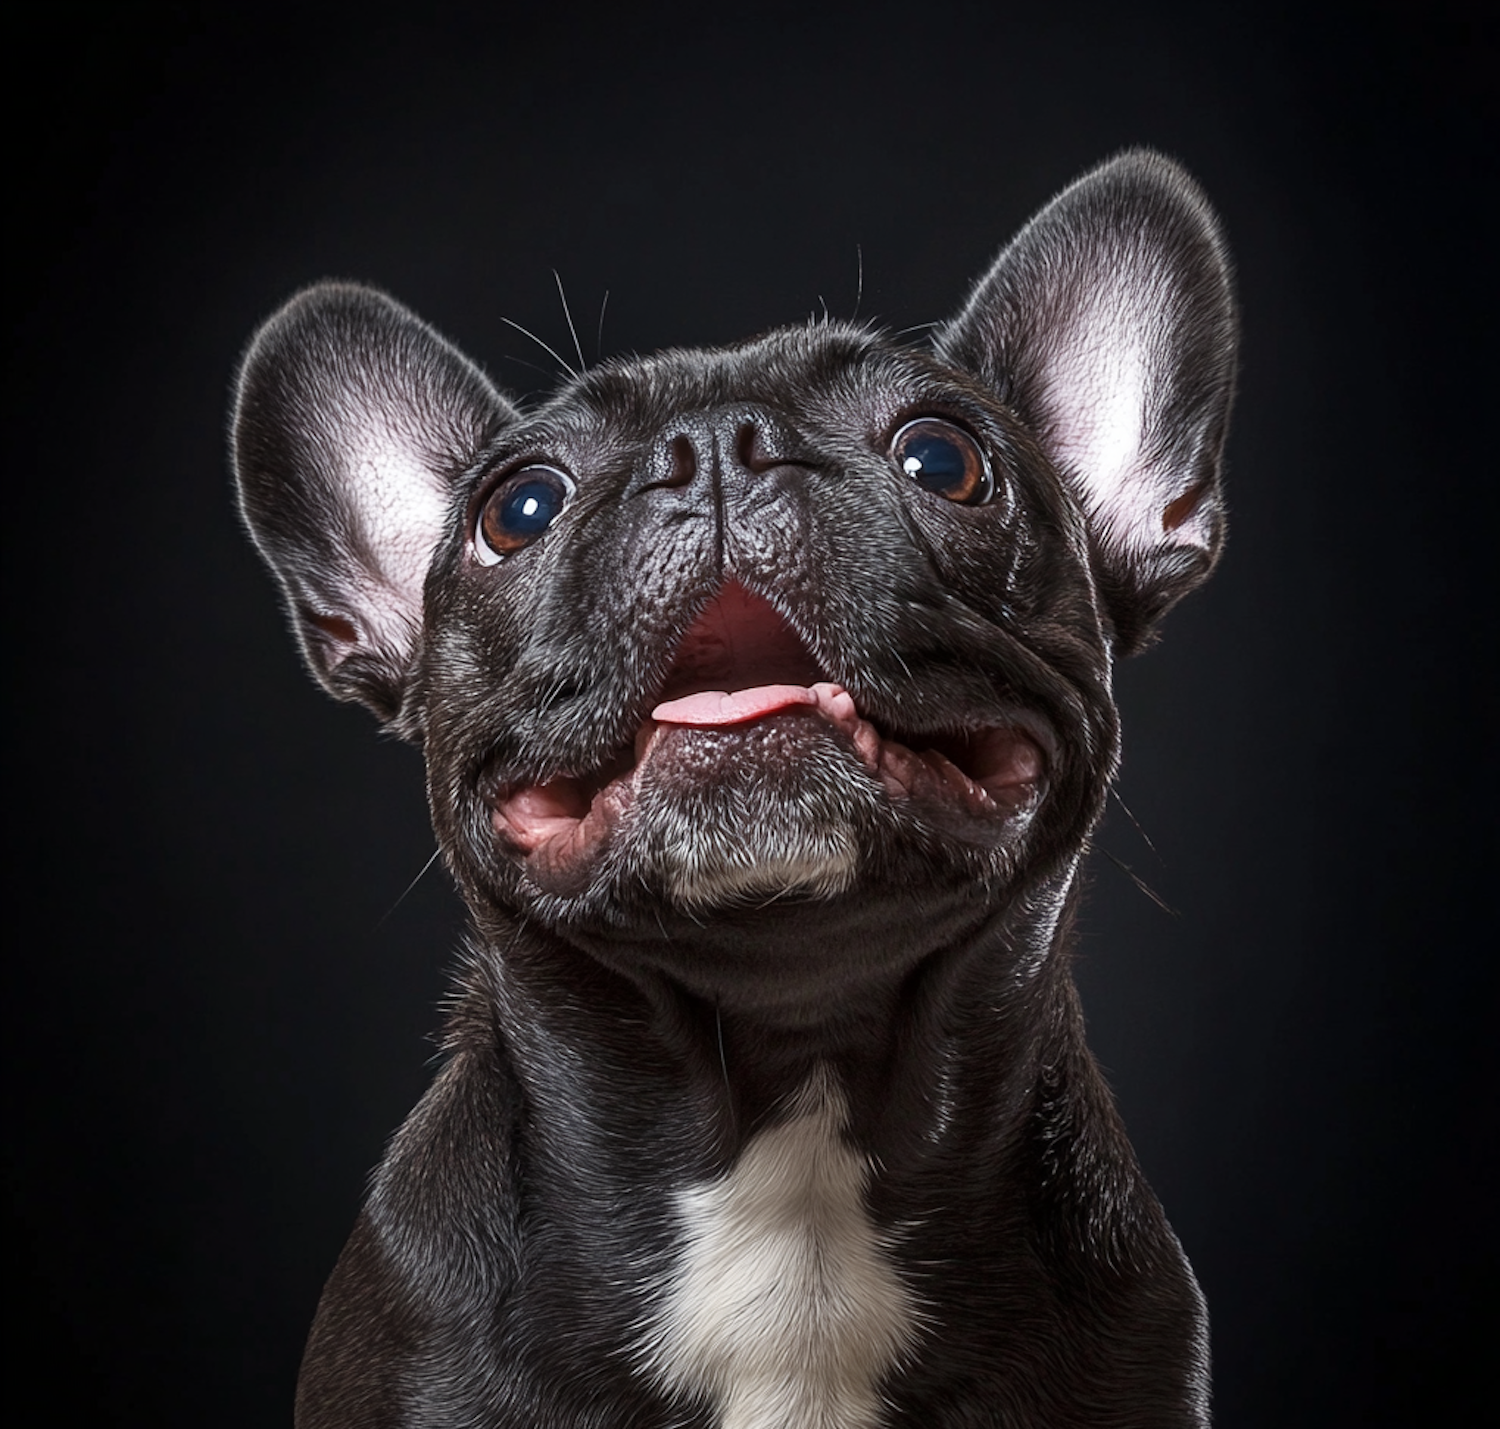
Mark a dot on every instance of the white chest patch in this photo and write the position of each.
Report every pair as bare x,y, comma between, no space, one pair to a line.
784,1309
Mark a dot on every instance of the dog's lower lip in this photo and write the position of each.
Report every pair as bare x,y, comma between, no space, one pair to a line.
1000,770
558,825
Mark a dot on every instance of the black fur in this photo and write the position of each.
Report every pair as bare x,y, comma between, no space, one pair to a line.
611,1041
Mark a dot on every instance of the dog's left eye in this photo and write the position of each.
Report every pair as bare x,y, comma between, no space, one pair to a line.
518,510
944,459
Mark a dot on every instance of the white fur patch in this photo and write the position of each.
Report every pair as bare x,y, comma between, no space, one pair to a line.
784,1309
751,872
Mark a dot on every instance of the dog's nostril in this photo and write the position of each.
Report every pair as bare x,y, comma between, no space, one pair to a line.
684,462
751,449
757,454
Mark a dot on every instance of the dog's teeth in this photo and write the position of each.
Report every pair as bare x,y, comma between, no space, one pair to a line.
836,705
867,744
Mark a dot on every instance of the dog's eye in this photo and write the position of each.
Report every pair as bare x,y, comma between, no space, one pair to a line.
518,510
945,460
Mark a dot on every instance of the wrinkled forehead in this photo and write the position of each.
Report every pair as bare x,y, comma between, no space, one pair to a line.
821,380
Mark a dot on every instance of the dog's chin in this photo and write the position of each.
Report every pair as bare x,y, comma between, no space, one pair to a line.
793,803
776,808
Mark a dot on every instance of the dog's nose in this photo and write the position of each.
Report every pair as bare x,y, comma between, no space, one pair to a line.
725,445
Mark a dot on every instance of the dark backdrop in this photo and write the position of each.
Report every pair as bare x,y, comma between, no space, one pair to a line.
223,1002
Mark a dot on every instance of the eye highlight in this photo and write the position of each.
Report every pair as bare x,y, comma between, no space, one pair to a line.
518,510
944,459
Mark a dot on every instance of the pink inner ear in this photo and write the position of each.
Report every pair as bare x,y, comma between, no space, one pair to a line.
1178,510
337,626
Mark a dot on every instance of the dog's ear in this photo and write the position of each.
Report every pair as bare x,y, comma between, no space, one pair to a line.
352,422
1109,325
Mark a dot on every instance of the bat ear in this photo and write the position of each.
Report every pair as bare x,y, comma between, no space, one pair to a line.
353,422
1109,326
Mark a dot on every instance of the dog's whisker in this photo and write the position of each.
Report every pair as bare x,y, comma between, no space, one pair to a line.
530,366
1114,793
577,346
550,351
1141,883
724,1063
437,853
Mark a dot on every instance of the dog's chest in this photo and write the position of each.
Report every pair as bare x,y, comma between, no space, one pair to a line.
784,1310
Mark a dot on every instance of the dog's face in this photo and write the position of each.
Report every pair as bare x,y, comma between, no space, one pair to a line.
919,669
816,620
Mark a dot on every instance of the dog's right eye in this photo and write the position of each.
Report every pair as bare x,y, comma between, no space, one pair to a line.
518,510
944,459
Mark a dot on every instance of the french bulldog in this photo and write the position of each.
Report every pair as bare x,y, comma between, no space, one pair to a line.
765,697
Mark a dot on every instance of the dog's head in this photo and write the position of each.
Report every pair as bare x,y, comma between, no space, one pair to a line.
815,618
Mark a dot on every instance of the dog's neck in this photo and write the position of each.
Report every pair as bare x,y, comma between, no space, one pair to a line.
711,1068
760,1173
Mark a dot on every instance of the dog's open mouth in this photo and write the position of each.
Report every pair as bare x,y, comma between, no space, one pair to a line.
739,664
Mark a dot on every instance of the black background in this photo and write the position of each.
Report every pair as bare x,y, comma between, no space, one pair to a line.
222,1006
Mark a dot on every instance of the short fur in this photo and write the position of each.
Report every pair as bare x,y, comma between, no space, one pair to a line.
766,1099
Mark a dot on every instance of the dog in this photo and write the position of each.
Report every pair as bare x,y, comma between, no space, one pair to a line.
765,700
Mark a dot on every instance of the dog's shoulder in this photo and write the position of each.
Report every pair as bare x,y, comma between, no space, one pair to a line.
436,1249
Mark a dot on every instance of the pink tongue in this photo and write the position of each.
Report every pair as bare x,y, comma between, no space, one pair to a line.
717,707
